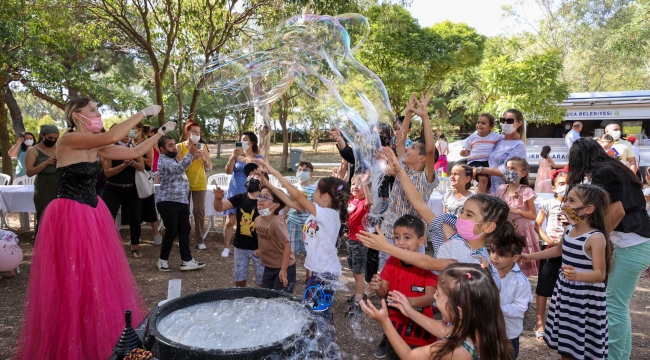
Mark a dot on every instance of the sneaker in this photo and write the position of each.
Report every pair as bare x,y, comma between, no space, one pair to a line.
157,239
191,265
163,265
225,252
353,310
380,350
201,246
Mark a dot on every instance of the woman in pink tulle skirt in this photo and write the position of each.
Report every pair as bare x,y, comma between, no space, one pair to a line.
80,282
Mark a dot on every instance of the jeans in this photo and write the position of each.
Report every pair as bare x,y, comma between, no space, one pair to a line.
628,264
515,347
176,217
127,198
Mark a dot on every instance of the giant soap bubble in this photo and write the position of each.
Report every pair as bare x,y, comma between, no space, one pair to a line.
317,53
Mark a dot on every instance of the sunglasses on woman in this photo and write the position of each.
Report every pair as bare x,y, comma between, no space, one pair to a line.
507,120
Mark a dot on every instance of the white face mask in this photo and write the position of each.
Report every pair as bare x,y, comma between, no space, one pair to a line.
266,212
507,128
303,175
245,145
29,142
615,134
568,127
195,138
560,190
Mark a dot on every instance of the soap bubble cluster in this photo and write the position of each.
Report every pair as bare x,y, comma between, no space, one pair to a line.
252,323
316,52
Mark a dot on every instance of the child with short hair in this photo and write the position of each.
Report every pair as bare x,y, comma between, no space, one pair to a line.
358,207
549,269
579,305
468,300
273,241
416,284
478,147
515,294
521,199
418,162
296,219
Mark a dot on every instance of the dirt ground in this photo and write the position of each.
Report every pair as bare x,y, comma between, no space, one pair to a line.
218,274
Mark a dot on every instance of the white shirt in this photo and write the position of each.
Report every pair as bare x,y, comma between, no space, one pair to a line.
637,156
320,232
480,147
516,294
453,205
554,228
571,137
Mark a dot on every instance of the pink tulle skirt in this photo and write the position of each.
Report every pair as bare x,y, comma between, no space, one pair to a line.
80,284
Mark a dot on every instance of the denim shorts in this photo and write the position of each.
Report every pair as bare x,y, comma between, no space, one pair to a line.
357,256
242,261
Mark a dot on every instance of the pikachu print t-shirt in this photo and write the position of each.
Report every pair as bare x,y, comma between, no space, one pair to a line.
320,233
245,236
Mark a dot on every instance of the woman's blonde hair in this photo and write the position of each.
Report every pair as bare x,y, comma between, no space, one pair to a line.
75,105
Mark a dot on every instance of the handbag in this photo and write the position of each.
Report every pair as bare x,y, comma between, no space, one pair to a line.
144,183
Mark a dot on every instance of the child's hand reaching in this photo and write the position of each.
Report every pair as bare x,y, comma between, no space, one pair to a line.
391,159
283,277
375,283
410,106
374,241
421,109
264,166
524,258
401,302
381,315
218,194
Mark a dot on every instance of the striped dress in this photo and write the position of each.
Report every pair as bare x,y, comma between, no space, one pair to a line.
576,325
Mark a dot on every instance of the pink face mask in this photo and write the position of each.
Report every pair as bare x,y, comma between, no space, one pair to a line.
96,124
465,229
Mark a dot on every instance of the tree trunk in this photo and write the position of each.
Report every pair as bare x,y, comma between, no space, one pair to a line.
283,112
14,110
315,144
4,133
222,118
262,121
179,100
158,86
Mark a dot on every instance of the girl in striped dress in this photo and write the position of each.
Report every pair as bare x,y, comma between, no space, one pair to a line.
576,325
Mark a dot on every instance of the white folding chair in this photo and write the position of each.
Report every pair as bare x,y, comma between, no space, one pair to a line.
444,185
220,180
26,180
274,181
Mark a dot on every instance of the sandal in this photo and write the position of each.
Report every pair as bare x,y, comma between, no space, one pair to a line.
539,334
136,253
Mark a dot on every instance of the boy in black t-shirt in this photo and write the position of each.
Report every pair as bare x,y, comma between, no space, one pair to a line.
245,237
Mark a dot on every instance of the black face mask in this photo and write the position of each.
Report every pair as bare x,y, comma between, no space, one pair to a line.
172,154
252,185
49,143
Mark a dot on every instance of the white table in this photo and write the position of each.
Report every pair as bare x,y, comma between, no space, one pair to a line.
20,199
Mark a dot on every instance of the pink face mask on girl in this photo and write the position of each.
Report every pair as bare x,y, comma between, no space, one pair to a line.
465,229
96,124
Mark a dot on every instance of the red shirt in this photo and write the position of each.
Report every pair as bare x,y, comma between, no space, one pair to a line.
409,280
357,209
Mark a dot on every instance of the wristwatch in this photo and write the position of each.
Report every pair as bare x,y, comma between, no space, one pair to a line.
479,169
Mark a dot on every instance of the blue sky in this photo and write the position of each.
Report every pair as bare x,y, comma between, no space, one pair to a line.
483,15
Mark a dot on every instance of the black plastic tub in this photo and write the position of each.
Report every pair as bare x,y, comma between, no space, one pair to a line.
165,349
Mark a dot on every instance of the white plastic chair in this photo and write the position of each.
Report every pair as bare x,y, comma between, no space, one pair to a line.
221,180
544,186
24,180
274,181
292,180
443,186
5,179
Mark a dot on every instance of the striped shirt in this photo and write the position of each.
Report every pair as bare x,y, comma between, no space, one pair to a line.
399,204
296,217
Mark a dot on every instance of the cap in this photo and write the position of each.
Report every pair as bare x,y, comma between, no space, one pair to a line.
250,167
631,139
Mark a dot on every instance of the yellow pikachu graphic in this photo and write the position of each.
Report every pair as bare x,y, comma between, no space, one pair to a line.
247,224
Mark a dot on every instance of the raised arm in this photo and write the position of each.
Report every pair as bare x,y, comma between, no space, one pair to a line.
13,152
409,189
295,194
404,128
219,203
429,142
280,194
378,242
78,140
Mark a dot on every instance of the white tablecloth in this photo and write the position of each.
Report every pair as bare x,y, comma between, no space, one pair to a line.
17,198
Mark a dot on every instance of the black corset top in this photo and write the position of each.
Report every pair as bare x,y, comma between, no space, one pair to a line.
77,182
